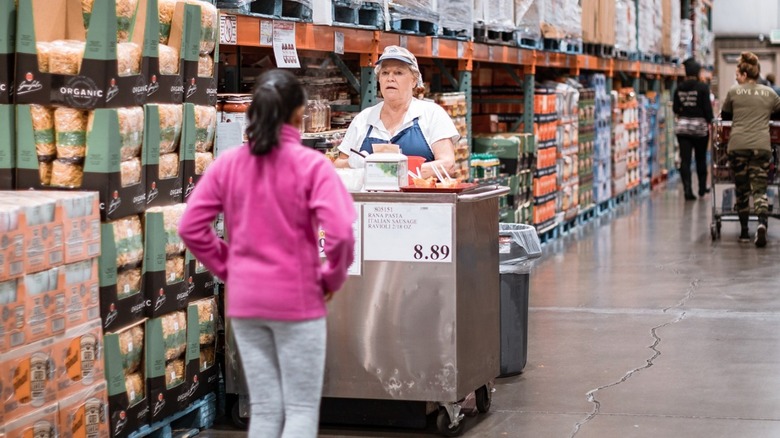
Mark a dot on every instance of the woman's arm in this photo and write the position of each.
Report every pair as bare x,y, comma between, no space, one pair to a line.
443,155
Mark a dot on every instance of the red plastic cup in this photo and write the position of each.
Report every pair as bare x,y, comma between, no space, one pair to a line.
414,163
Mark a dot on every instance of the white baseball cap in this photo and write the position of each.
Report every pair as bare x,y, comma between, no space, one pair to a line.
399,54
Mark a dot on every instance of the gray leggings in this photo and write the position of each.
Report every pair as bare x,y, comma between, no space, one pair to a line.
284,363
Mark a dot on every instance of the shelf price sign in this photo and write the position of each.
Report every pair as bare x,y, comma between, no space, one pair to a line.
419,233
228,33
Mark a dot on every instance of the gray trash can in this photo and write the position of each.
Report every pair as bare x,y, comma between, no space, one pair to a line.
518,246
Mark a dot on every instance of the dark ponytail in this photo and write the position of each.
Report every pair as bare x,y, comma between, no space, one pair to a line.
277,94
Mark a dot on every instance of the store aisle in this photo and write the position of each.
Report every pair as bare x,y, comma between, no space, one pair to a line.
640,326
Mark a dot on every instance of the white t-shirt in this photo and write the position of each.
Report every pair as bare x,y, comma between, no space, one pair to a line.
434,122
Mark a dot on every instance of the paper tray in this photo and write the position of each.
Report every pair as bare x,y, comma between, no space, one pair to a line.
460,189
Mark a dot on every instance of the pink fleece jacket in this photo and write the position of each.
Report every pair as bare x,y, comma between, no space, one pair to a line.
273,206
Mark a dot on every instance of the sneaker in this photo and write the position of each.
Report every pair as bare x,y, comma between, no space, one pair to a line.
703,192
690,197
761,236
744,236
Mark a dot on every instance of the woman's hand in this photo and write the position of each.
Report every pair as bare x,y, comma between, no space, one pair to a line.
328,296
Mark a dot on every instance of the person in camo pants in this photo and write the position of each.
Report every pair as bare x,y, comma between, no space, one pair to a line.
750,106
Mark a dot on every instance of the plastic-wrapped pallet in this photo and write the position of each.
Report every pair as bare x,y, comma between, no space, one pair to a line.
456,16
498,15
671,28
625,26
555,19
650,24
423,10
527,19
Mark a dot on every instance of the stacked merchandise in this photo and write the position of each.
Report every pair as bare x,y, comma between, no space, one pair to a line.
7,117
602,140
567,103
456,18
493,15
668,160
649,136
625,141
650,20
625,27
510,156
545,185
552,19
587,130
50,336
405,13
456,106
671,32
598,22
703,37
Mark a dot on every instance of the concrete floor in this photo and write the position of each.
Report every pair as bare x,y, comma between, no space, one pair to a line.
640,326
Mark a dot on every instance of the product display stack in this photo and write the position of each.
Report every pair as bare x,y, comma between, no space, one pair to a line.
116,108
545,186
602,140
649,133
587,137
456,106
567,98
7,85
625,141
51,337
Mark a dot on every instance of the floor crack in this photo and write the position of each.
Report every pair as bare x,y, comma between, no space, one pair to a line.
648,363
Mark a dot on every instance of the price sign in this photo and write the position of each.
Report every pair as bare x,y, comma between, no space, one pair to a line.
461,49
266,33
357,230
228,33
284,45
419,233
403,41
338,43
435,47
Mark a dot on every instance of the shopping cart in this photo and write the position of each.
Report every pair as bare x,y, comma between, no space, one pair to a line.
722,176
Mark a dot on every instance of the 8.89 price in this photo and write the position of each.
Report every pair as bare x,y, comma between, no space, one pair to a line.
434,253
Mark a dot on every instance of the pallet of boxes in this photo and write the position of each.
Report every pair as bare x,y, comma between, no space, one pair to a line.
115,116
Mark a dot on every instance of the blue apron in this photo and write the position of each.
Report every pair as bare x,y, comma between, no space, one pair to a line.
410,140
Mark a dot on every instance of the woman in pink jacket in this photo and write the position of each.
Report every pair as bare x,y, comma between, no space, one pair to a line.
275,193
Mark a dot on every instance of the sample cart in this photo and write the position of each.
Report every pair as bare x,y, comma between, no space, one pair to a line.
418,319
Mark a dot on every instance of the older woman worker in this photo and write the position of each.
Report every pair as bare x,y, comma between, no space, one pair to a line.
418,127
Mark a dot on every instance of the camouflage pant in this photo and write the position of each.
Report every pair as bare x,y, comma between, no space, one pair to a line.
751,169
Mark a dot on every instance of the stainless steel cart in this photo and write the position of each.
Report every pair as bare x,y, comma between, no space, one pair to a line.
418,319
722,177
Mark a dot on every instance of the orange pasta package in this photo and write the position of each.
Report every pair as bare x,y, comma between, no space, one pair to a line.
85,413
12,307
78,357
28,379
39,423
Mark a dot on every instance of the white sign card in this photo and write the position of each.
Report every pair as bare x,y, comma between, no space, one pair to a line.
356,268
408,232
338,43
284,45
266,33
228,30
229,136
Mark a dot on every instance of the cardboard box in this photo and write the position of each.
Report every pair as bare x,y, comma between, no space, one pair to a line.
7,50
166,359
590,12
12,249
160,192
81,222
201,282
117,310
605,22
98,84
162,88
166,288
202,369
191,136
77,355
7,144
42,226
102,164
81,292
39,423
198,90
510,149
128,411
29,372
45,304
12,325
85,414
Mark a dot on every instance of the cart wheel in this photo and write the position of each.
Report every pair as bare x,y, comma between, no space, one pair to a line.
484,398
238,421
443,424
